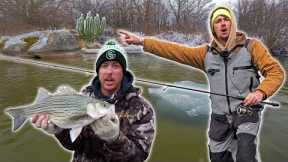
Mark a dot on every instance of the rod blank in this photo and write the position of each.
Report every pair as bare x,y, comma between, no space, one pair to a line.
143,81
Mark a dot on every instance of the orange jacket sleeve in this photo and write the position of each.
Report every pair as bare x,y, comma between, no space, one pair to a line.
270,68
193,56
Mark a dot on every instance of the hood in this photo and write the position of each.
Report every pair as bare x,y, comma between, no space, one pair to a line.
232,36
125,86
239,42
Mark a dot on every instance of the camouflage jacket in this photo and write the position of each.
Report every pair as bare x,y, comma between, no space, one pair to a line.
137,129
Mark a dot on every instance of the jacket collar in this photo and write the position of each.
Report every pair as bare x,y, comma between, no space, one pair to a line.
239,41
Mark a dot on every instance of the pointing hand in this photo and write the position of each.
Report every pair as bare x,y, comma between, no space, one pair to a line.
130,38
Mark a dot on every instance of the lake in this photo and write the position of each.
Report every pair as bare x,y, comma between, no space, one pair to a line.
181,126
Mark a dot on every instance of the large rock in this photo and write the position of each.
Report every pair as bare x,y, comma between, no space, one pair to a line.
14,45
46,41
58,40
3,39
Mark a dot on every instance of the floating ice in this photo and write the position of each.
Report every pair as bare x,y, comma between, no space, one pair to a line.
193,103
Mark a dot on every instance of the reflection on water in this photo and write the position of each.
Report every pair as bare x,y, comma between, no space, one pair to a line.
181,137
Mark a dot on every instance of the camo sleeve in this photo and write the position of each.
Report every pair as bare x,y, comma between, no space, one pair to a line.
134,143
64,139
137,132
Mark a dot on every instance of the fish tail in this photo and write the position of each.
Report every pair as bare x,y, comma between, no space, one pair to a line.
17,116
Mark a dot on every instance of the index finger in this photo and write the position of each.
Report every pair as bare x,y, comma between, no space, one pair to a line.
121,31
247,100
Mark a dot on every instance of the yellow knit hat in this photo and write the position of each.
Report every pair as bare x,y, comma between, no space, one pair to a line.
219,11
224,11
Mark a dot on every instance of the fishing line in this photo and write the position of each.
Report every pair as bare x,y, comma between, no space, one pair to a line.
143,81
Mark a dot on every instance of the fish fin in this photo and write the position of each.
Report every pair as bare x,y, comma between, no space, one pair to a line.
17,117
96,111
65,90
74,133
41,95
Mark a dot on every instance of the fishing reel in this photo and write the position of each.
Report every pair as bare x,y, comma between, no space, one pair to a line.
248,110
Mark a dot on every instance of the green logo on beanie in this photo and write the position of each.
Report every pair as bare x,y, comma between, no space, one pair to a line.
111,51
110,54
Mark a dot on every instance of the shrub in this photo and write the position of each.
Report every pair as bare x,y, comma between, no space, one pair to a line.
90,27
30,41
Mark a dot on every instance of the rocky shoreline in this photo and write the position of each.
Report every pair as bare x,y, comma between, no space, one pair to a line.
52,44
40,42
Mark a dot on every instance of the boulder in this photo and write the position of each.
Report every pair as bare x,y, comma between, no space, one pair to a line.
3,39
14,46
46,41
58,40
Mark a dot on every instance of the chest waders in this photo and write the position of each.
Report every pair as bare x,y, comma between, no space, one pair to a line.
232,137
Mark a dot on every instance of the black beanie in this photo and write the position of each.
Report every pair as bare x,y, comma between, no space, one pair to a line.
111,51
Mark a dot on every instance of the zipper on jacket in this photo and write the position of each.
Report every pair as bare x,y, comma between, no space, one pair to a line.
251,84
225,58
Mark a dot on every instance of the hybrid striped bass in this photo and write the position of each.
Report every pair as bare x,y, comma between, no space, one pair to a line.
66,109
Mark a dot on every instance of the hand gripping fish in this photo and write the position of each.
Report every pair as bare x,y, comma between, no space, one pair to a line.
66,109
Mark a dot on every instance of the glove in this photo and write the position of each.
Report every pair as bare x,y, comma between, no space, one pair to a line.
107,127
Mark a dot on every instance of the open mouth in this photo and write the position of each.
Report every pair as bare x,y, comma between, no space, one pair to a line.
224,30
109,81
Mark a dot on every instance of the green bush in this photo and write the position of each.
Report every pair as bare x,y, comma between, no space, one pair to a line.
31,40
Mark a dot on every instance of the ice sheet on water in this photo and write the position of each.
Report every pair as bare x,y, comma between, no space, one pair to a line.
193,103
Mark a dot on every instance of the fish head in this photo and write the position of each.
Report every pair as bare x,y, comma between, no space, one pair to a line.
98,109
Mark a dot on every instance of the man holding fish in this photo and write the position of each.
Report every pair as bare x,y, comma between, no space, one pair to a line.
121,135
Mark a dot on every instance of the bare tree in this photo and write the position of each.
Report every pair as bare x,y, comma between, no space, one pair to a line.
190,15
57,13
16,12
154,15
148,16
266,19
95,6
161,17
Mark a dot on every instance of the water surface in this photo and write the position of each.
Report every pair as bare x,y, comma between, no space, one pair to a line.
181,131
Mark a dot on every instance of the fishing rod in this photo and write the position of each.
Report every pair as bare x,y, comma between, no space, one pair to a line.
202,91
91,72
